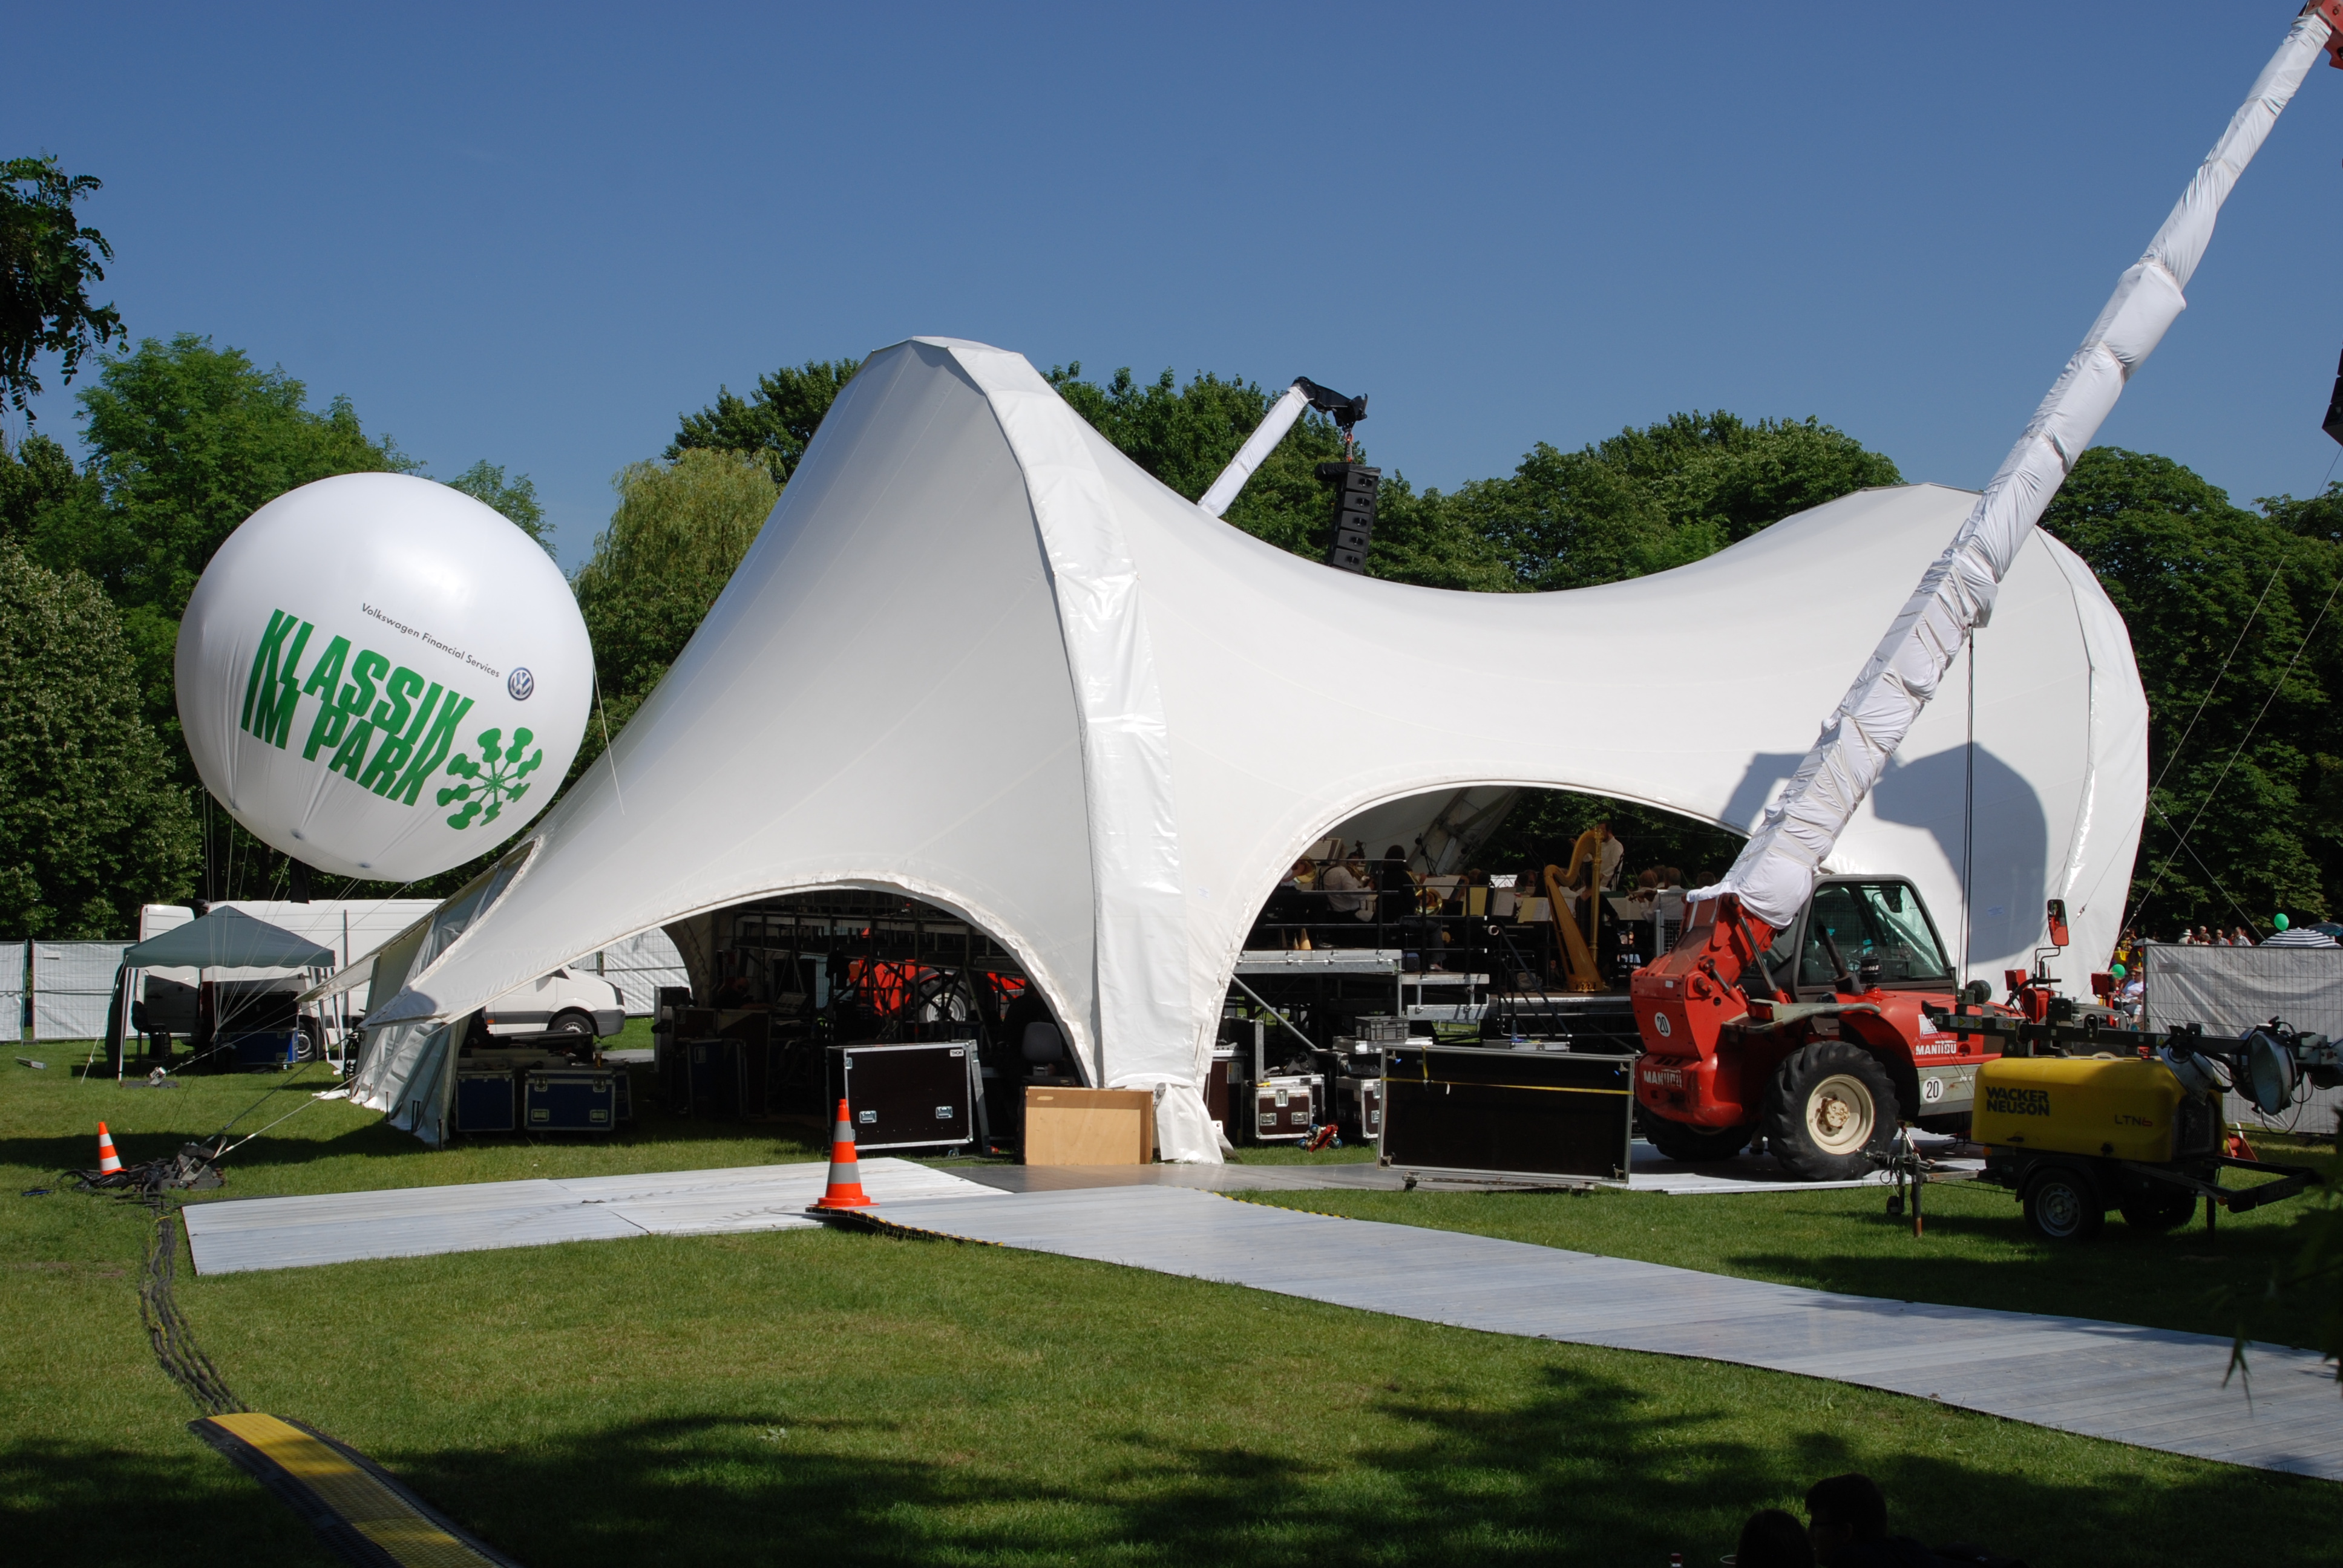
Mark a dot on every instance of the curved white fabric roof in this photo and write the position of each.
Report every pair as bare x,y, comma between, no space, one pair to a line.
979,657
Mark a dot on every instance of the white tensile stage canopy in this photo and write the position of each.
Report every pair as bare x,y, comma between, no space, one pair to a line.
980,657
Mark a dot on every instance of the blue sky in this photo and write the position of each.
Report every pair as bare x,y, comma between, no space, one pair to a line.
536,235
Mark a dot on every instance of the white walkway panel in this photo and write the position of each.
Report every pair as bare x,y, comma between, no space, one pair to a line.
230,1237
2153,1387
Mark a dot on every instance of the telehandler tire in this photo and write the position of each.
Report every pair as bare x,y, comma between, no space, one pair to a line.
2062,1204
1828,1110
1692,1145
2157,1212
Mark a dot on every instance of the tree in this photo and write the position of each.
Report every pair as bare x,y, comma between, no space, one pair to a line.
2234,626
185,442
774,423
679,531
485,481
48,259
91,823
1183,435
1646,500
36,477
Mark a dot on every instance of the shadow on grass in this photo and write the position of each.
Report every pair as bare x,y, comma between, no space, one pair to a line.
2185,1279
1583,1470
96,1507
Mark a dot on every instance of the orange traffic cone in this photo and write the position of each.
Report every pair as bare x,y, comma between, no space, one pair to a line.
845,1190
107,1159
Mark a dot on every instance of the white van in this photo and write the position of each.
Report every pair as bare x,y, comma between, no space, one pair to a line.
567,1002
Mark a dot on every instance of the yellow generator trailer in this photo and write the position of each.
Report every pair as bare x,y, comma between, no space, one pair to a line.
2140,1133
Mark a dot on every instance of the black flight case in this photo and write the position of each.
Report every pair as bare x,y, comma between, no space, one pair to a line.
1559,1117
906,1096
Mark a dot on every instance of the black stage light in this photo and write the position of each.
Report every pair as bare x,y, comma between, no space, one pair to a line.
1345,411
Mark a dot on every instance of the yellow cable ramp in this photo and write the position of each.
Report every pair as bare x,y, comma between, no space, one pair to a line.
354,1503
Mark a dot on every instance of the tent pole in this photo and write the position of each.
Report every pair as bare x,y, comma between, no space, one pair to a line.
1238,981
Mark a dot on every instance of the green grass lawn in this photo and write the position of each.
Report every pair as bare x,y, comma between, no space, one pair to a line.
332,1146
843,1398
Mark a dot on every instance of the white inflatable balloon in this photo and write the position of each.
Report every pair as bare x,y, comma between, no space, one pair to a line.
382,677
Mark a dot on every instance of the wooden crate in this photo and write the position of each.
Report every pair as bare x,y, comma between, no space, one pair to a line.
1088,1126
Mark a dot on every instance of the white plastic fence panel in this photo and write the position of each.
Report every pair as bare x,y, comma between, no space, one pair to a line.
12,989
71,984
2232,989
638,966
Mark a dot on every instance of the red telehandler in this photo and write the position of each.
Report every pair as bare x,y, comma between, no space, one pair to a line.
1826,1036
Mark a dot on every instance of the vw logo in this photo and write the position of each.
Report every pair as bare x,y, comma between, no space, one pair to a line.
519,684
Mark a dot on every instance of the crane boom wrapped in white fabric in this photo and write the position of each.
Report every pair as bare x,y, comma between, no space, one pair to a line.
1775,871
1256,450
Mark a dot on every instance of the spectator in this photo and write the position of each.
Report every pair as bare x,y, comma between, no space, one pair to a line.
1290,907
1345,886
1397,884
2289,935
1847,1526
1846,1522
2241,938
1773,1539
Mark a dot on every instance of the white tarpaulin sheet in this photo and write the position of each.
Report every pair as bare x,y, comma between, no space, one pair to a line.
638,967
979,657
72,983
2232,989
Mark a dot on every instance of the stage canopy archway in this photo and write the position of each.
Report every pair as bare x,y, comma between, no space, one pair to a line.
979,656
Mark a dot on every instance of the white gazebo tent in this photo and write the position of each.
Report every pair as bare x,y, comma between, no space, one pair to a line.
980,657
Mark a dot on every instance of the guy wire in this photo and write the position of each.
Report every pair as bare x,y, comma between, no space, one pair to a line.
2277,686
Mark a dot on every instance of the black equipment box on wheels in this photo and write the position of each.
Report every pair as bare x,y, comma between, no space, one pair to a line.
1558,1117
484,1099
906,1096
570,1099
